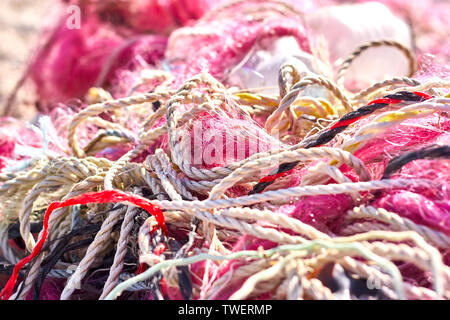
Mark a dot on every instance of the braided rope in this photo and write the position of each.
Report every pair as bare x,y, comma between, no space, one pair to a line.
399,224
80,188
284,6
291,96
99,108
391,118
290,192
373,44
93,250
251,168
117,266
386,83
288,270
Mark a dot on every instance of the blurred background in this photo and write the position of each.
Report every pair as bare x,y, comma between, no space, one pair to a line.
20,25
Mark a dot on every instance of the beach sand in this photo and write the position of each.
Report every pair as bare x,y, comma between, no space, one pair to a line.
20,25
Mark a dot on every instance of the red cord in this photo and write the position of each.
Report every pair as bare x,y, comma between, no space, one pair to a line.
384,100
107,196
160,248
142,267
327,135
274,176
344,123
422,94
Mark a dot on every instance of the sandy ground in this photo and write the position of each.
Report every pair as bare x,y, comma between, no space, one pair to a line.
20,23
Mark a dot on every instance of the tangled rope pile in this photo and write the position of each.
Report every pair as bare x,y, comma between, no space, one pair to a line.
342,195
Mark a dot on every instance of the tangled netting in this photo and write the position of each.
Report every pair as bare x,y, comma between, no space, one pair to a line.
232,150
